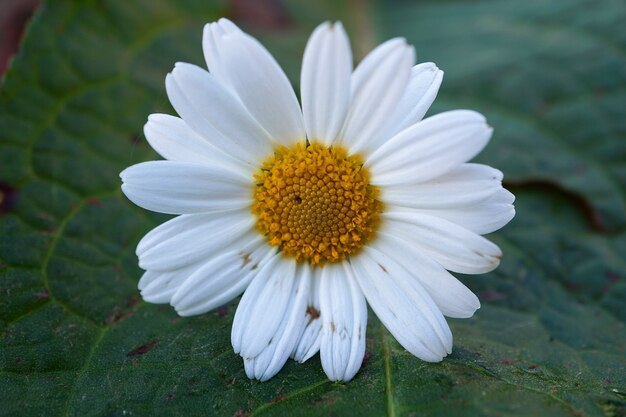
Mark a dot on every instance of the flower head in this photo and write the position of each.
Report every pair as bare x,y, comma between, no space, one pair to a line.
313,211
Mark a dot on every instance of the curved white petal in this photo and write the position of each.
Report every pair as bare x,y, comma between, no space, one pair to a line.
223,277
275,354
403,305
325,82
309,343
487,216
189,238
185,188
419,95
212,33
264,306
344,315
377,84
452,297
452,246
159,286
429,148
213,112
463,186
171,138
250,72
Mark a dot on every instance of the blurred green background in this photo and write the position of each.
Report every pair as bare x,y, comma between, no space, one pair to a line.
75,338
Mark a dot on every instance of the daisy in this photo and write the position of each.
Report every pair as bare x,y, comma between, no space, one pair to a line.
314,211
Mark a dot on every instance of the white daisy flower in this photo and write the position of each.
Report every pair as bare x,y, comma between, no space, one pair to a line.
311,212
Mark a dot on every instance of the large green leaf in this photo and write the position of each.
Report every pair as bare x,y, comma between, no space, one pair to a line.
550,339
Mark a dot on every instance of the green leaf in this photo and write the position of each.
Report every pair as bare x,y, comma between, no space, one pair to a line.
550,338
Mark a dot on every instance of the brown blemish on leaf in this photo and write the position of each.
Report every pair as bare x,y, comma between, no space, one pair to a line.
8,198
324,401
117,314
262,14
135,139
612,276
94,201
222,311
143,349
491,295
45,293
278,399
366,358
13,18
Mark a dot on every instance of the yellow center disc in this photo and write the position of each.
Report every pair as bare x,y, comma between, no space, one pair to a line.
316,203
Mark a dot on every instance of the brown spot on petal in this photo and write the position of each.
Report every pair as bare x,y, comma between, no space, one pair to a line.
313,312
245,259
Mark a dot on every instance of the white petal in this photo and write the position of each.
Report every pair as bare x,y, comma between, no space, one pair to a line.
485,217
419,95
452,297
275,354
226,275
212,33
213,112
429,148
309,343
452,246
377,85
325,82
159,286
184,188
251,72
174,140
189,238
264,306
463,186
403,305
344,315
